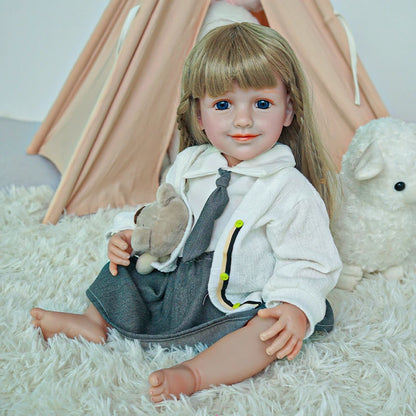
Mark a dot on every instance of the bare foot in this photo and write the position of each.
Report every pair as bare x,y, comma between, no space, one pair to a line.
173,381
70,324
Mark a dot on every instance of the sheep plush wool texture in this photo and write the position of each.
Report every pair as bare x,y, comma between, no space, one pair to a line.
366,366
375,227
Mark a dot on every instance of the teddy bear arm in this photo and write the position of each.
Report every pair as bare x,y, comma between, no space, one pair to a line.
144,263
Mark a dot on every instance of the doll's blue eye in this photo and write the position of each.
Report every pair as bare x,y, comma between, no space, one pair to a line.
263,104
222,105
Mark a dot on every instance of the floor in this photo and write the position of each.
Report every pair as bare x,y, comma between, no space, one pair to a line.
16,166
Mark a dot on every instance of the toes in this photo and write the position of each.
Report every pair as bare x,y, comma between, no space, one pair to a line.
36,313
157,386
156,392
157,399
155,380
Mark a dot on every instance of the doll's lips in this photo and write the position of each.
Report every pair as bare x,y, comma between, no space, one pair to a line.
244,137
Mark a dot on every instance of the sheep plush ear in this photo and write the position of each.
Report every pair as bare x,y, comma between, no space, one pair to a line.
371,163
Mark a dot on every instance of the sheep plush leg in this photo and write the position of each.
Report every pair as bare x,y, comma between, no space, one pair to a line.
350,276
394,273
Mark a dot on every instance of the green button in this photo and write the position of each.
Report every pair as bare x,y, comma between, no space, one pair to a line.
224,276
236,305
239,223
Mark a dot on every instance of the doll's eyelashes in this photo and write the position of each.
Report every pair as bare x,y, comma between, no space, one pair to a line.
399,186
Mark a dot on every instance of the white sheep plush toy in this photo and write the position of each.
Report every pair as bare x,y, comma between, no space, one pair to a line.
374,229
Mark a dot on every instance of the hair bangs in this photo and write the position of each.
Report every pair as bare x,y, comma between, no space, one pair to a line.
238,60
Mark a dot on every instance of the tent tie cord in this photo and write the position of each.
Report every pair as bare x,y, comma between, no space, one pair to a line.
353,55
127,23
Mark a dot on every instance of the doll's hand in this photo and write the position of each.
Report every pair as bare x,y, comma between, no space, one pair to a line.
119,250
288,331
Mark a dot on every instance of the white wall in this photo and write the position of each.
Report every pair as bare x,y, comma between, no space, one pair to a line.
40,41
385,35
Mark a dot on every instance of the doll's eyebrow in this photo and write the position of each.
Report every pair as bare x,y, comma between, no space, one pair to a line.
270,90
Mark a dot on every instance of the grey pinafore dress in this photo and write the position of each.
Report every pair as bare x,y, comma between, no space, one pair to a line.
171,309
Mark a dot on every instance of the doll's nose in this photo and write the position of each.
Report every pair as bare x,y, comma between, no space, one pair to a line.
243,118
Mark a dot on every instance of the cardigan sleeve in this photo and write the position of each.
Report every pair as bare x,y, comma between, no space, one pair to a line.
122,221
307,262
125,220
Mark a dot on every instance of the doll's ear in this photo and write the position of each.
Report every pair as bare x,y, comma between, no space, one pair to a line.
289,111
198,117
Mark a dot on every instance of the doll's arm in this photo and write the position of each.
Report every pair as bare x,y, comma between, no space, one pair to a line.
288,331
119,250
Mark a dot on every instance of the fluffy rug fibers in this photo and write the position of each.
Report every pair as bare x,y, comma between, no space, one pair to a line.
366,366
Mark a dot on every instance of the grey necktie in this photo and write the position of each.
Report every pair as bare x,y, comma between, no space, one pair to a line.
200,237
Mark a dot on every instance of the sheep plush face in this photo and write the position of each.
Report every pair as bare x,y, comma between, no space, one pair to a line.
380,163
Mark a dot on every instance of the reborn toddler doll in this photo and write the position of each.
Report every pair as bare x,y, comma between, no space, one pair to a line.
251,274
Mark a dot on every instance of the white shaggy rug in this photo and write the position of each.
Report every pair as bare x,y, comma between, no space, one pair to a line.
366,366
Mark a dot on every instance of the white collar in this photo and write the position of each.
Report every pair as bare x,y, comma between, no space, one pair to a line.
210,159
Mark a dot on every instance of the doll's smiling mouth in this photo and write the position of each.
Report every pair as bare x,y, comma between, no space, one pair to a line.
244,137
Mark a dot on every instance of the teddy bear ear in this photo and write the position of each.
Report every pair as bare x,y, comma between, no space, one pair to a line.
137,214
165,193
370,164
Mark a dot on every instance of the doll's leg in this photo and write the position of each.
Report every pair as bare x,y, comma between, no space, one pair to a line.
90,325
234,358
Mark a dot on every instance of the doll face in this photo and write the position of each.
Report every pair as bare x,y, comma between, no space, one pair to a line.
243,123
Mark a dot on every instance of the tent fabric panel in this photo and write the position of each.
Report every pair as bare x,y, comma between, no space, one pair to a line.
78,74
325,59
69,128
119,156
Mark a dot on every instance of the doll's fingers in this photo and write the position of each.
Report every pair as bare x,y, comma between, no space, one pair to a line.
273,331
287,349
113,269
118,261
296,350
269,313
119,243
278,343
118,253
117,256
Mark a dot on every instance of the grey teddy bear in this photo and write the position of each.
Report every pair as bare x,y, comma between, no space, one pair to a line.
159,228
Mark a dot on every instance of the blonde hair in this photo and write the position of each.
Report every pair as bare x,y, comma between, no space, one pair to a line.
252,56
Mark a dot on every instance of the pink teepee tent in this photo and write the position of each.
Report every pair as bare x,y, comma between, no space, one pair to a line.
110,127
